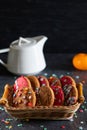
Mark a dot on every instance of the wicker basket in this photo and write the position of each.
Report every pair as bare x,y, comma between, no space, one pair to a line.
40,112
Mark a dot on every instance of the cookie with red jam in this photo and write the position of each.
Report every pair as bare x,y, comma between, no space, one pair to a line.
69,89
43,81
55,84
54,81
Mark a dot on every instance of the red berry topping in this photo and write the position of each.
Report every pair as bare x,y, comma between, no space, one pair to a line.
30,104
59,95
54,81
42,81
65,81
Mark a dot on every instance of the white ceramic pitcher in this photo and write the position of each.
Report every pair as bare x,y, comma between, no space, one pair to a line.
25,56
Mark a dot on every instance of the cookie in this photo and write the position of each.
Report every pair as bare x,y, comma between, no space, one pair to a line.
54,81
34,82
23,96
21,82
67,80
43,81
55,84
46,96
35,85
69,89
59,95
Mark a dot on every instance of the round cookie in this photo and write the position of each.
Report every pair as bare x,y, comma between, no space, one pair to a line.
21,82
35,85
46,96
24,95
59,95
55,84
67,80
43,81
69,89
54,81
34,82
24,98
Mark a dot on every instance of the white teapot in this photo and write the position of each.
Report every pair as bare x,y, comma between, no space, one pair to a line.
25,56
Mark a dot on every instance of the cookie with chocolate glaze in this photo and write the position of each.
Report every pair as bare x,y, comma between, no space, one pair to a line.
54,81
69,89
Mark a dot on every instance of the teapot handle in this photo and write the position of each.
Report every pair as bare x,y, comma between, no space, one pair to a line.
4,50
2,63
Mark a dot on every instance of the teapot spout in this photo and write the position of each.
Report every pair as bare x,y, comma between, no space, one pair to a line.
40,40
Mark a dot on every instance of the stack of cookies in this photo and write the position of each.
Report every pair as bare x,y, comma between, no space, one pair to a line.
31,91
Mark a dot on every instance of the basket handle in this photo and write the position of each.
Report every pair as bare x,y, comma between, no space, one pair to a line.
4,98
81,97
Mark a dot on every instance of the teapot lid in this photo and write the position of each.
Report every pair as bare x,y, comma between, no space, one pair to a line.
23,43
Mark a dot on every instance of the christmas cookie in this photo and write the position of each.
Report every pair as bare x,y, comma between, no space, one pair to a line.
23,96
59,95
43,81
20,83
34,82
67,80
69,89
54,81
46,96
36,86
55,84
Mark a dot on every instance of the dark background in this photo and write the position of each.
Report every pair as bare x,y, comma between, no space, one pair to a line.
63,22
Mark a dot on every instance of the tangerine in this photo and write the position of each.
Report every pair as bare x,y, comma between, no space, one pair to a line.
80,61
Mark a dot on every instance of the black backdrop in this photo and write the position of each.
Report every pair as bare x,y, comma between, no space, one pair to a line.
63,22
